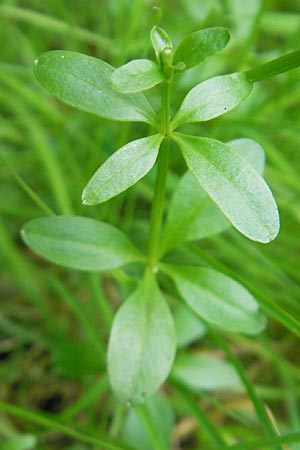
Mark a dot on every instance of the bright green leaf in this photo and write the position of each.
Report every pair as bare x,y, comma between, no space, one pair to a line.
205,373
212,98
20,442
142,344
122,170
192,214
217,298
160,40
188,326
137,75
85,83
79,242
196,47
239,191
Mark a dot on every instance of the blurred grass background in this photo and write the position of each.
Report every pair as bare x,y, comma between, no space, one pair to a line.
54,323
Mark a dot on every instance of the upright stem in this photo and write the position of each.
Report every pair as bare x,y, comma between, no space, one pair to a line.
160,183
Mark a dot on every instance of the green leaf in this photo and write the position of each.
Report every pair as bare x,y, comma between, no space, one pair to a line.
205,373
159,413
188,326
142,344
217,298
160,40
137,75
196,47
122,170
85,83
239,191
192,214
79,242
212,98
20,442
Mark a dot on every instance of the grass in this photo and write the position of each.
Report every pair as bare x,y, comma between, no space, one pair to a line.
54,323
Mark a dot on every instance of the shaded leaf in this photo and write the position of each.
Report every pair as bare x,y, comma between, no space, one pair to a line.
142,344
85,83
212,98
137,75
188,326
205,373
196,47
239,191
122,170
79,242
217,298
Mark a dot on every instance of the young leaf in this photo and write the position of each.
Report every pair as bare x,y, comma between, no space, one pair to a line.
160,40
79,243
217,298
212,98
196,47
142,344
137,75
85,83
192,214
239,191
205,373
122,170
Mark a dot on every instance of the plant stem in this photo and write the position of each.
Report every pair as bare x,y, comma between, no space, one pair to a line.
160,183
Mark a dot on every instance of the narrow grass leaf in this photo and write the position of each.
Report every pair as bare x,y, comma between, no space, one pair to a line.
212,98
142,344
196,47
239,191
192,214
85,83
122,170
137,75
79,243
160,40
217,298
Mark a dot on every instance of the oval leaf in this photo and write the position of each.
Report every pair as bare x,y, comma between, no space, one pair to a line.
205,373
137,75
122,170
192,214
189,328
196,47
79,242
142,344
160,40
85,83
212,98
239,191
217,298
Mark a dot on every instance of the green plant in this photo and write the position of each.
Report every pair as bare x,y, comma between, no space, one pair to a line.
223,187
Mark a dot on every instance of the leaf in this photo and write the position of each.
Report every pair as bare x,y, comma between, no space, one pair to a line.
192,214
188,326
137,75
20,442
160,40
122,170
217,298
239,191
196,47
85,83
142,344
79,243
212,98
205,373
159,413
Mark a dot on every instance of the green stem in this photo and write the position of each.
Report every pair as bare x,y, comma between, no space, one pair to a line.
160,184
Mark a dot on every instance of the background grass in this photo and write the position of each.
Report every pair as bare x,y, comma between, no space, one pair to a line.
54,323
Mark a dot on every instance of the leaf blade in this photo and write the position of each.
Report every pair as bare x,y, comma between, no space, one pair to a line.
197,46
137,75
232,183
160,40
217,298
79,243
142,344
212,98
84,82
122,170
